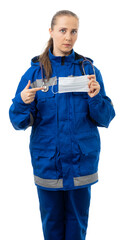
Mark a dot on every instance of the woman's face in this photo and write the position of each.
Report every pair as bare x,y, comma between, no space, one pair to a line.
64,35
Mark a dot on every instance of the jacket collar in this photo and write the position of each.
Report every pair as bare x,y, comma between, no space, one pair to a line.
58,59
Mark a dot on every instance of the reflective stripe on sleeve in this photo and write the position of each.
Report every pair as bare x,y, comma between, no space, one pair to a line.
58,183
31,120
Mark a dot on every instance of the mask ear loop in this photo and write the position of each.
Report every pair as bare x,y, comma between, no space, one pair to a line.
53,86
87,60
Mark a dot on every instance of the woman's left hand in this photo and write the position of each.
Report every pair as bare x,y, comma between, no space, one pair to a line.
93,85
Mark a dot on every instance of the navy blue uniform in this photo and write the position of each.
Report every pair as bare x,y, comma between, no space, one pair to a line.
65,141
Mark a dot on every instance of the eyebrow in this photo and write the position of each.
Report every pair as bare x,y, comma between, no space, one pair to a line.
67,28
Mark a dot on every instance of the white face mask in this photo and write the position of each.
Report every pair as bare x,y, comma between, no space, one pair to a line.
73,84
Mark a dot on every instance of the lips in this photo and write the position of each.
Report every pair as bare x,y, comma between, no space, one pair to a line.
67,45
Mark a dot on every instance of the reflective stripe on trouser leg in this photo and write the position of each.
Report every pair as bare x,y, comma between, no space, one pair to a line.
77,204
52,214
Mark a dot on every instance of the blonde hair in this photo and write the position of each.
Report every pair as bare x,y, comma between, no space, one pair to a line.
44,57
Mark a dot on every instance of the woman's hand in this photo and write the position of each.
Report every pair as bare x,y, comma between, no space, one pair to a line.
28,95
93,85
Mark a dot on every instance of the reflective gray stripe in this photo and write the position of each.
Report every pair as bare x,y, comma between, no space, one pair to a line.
39,82
58,183
50,183
31,119
83,180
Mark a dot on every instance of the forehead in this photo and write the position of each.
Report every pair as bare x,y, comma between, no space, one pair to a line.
67,22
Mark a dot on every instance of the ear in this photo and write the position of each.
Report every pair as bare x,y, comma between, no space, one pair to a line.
50,32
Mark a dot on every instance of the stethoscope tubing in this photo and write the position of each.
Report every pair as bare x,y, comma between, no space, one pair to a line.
87,60
84,72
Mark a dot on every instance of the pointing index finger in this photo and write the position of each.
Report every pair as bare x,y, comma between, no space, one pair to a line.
34,90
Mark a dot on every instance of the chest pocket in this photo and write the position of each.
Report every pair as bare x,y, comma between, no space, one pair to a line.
80,101
46,103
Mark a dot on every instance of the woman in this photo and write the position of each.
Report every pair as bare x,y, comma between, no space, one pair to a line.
64,143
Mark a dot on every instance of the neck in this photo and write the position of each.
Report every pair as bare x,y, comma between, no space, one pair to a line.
61,54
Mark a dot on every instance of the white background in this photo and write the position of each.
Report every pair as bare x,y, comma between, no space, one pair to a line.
103,36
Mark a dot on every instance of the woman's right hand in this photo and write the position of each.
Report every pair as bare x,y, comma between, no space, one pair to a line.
28,95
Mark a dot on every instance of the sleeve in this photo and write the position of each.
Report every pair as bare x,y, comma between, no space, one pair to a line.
21,115
100,107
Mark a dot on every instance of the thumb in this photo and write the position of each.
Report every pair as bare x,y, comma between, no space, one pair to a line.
28,85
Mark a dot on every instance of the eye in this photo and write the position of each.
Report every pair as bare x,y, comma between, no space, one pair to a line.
62,30
74,31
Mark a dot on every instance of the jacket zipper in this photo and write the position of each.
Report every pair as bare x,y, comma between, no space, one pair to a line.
63,60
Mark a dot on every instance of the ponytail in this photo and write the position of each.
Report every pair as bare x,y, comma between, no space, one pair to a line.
44,59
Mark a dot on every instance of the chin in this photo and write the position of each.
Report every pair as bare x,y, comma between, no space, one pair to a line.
66,51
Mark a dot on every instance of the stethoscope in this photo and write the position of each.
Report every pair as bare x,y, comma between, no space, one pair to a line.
87,60
44,81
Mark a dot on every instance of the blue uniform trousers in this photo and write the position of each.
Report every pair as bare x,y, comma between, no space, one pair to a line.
64,214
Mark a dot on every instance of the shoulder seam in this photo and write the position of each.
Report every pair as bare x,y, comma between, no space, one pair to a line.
78,56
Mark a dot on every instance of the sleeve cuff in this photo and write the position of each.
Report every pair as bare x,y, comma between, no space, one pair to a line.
96,99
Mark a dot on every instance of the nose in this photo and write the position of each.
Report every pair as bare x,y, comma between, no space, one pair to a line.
68,36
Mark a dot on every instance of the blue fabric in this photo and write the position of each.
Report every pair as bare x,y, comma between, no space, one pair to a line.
64,141
64,214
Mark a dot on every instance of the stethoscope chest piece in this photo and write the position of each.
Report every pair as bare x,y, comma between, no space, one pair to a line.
46,88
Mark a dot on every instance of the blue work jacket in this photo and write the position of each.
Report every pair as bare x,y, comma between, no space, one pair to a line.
64,141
